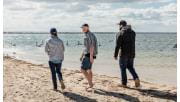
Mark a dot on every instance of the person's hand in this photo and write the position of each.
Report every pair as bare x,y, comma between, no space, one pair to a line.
115,58
81,58
91,59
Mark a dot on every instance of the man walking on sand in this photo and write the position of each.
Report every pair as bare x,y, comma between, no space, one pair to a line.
55,49
125,42
89,54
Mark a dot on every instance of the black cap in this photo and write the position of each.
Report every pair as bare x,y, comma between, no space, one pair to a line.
53,30
85,25
122,22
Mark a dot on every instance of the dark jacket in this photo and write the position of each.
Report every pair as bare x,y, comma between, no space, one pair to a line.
125,40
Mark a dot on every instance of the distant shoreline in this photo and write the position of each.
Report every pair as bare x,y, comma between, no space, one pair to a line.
81,32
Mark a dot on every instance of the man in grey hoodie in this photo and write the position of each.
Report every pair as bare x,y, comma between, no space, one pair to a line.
55,50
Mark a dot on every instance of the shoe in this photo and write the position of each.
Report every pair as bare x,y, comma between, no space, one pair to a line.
137,82
55,89
62,85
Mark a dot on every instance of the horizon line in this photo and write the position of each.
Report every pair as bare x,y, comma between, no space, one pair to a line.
82,32
33,32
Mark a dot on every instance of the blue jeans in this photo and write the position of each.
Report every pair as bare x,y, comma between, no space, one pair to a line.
55,68
129,64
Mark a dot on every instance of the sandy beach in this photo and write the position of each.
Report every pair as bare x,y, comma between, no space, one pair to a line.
27,82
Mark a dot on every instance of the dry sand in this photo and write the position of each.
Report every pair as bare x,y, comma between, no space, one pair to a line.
26,82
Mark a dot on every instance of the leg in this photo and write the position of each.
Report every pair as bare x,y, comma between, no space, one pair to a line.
53,73
85,74
131,69
86,70
90,75
58,71
123,65
130,66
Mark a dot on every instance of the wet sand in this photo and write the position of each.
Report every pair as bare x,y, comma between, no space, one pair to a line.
27,82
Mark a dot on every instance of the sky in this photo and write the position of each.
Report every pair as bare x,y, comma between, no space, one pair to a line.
101,15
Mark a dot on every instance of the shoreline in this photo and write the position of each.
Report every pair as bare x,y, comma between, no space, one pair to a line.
24,81
76,69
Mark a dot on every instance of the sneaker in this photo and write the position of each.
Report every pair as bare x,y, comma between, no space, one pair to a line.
62,85
137,82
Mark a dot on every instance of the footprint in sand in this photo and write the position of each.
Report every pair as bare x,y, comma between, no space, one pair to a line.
80,79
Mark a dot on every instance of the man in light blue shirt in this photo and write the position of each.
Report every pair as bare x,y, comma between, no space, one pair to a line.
55,49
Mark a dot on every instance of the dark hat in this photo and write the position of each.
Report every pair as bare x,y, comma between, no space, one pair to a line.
85,25
122,22
53,30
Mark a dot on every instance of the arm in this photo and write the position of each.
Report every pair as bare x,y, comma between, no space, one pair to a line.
118,45
47,48
82,55
91,49
91,53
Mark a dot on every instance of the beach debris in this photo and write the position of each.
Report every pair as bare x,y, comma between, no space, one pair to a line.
67,44
161,50
79,43
99,44
42,42
39,45
175,46
110,40
12,44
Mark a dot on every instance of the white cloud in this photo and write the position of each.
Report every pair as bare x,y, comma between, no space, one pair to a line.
28,15
98,1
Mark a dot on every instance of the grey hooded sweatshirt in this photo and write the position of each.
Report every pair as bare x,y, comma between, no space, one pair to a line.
55,49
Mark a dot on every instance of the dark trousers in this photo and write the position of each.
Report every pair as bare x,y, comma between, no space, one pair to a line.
55,68
129,64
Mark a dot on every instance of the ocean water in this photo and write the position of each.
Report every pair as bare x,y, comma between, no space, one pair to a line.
155,60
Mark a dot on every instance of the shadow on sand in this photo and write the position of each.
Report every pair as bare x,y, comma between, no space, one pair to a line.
78,98
157,94
150,92
118,95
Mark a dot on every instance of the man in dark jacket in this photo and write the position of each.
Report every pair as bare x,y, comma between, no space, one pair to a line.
125,41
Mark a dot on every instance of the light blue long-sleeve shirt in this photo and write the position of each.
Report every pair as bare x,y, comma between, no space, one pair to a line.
55,49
